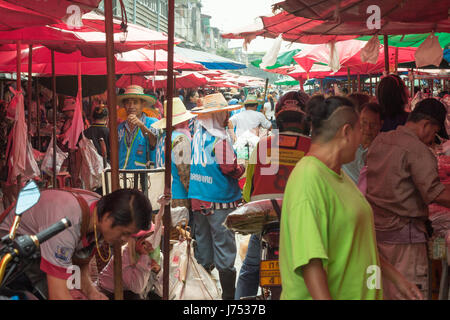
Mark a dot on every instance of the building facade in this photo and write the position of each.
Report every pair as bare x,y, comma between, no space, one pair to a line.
190,24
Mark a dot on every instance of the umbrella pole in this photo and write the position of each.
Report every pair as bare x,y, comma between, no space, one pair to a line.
386,53
19,67
168,144
370,79
30,88
113,137
38,117
54,118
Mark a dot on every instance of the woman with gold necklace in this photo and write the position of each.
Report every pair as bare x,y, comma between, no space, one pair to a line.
112,218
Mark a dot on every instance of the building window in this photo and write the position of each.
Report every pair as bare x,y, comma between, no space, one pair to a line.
153,6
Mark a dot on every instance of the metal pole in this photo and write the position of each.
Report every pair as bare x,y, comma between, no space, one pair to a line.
386,54
19,67
113,137
38,118
370,79
54,118
168,144
30,88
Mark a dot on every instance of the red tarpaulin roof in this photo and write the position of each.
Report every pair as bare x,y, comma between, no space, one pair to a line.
356,10
299,29
26,13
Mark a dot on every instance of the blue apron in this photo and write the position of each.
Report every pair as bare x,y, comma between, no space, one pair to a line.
207,182
178,190
137,155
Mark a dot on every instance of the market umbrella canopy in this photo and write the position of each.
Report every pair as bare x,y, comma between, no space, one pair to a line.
210,61
186,80
304,30
25,13
283,59
136,61
349,55
411,40
356,10
89,39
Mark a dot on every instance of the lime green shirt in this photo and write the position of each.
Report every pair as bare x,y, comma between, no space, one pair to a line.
325,216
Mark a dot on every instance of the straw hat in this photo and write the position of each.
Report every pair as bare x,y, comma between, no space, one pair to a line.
180,114
214,103
135,91
69,104
251,100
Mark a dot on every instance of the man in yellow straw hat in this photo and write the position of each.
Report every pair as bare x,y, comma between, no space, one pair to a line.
137,139
214,190
181,151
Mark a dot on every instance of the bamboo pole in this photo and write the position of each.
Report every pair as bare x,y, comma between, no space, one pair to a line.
168,144
113,137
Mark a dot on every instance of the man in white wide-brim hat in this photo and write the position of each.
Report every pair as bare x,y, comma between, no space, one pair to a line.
137,139
214,190
181,151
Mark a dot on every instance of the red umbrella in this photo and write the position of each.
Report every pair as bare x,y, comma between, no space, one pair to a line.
89,39
136,61
189,80
25,13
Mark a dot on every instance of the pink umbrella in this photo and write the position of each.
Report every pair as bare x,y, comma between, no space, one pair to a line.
189,80
349,56
25,13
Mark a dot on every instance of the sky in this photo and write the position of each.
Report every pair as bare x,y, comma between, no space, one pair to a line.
228,15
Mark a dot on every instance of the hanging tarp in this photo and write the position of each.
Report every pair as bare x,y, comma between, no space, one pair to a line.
283,59
210,61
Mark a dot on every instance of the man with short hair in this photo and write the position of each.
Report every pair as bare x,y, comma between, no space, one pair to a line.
137,139
402,180
371,120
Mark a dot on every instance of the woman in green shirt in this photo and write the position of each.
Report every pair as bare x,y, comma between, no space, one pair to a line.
327,240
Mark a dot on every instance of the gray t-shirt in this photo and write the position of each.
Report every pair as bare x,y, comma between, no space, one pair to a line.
57,252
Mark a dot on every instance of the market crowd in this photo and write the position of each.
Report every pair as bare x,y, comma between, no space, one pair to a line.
358,174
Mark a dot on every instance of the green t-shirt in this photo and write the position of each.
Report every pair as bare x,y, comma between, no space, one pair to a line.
325,216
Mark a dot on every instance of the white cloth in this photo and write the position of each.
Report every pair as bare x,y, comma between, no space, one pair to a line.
248,120
429,52
214,124
135,276
371,50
